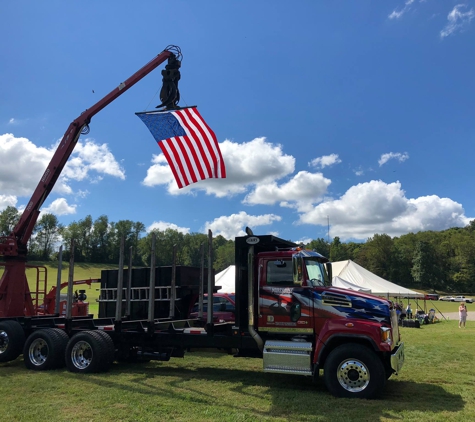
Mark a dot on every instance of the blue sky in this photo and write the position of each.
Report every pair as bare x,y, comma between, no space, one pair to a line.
359,113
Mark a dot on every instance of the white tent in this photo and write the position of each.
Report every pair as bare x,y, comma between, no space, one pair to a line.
339,282
359,276
226,279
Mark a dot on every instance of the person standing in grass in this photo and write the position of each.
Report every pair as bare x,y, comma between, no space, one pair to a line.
462,315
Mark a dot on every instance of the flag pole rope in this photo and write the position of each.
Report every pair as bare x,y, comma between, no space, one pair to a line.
154,95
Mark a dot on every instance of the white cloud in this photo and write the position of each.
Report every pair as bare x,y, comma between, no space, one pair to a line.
392,155
159,173
7,201
395,14
235,224
90,157
81,193
457,20
325,161
60,207
23,164
13,121
303,241
247,164
303,188
162,226
377,207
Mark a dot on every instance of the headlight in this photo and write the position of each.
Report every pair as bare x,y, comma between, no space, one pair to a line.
386,335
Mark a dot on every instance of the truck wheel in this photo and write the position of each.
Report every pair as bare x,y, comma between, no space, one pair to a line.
388,371
110,345
44,349
353,370
12,338
87,352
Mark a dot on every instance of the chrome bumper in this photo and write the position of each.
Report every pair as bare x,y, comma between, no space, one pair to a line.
397,358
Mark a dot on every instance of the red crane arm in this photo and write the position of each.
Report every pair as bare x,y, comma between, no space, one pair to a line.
16,242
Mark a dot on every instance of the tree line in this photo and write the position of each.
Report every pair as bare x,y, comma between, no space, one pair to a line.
98,241
431,260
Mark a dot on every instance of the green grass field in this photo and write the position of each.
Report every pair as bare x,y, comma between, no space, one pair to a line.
437,384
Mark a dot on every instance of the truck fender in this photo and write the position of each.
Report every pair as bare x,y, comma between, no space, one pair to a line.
323,348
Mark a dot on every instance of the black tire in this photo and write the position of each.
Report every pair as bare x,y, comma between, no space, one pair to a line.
87,352
12,339
110,345
353,370
44,349
388,371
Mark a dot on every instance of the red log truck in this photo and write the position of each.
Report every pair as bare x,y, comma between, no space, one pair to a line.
287,312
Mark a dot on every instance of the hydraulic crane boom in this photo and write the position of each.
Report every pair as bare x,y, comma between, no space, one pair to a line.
15,298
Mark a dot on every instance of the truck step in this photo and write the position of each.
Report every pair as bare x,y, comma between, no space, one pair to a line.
288,357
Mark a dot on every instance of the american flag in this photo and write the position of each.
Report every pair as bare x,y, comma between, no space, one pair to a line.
188,143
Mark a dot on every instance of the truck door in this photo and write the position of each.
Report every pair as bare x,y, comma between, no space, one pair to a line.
279,311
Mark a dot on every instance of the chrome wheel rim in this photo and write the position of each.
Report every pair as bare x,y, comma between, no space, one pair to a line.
353,375
38,352
3,341
81,355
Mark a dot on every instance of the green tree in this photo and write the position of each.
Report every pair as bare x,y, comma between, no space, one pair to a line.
47,234
192,249
125,229
137,229
224,256
9,217
425,266
165,240
463,262
338,251
85,239
100,243
376,255
69,233
321,246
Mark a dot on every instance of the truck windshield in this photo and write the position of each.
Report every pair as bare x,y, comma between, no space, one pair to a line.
315,272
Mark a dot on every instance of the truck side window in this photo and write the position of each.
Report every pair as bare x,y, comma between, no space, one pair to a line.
279,273
297,264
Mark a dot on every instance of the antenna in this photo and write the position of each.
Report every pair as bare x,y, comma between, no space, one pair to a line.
328,232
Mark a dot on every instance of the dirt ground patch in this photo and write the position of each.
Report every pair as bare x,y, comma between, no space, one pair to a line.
455,315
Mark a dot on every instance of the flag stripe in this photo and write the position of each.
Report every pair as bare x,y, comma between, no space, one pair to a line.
194,145
220,168
199,141
189,145
184,151
177,160
209,142
166,147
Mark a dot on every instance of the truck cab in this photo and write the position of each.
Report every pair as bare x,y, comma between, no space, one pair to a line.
304,324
